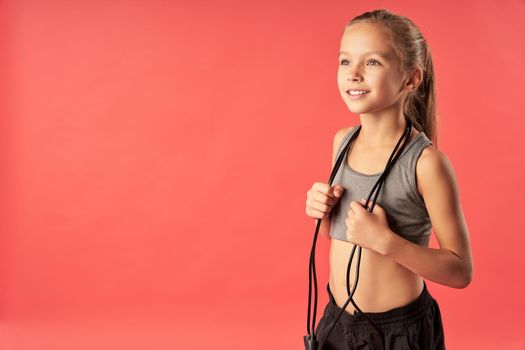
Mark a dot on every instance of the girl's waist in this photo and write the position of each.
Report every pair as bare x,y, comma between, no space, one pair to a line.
404,315
383,283
376,296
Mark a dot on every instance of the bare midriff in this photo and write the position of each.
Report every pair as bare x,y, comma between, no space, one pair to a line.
383,283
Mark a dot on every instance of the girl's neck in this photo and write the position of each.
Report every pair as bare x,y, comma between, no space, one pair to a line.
381,132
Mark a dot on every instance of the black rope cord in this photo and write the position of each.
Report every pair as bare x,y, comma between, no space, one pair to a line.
310,341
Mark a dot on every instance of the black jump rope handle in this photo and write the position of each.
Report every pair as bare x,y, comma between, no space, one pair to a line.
310,343
310,340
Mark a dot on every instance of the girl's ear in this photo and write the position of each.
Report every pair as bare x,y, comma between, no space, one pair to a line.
408,84
415,78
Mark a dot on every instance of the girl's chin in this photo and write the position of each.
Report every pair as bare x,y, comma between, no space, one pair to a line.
354,108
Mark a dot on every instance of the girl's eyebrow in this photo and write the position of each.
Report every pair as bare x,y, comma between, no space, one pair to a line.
384,55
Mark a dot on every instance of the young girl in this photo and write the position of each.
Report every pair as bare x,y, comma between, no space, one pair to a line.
386,76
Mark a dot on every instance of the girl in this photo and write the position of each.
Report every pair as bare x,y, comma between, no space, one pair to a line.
386,76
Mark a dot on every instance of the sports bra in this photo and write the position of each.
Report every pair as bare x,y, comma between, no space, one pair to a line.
405,208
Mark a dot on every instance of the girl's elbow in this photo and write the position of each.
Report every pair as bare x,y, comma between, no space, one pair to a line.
466,277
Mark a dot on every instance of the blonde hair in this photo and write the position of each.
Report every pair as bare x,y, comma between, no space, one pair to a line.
412,51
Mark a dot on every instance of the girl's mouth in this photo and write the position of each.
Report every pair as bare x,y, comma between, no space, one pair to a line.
357,94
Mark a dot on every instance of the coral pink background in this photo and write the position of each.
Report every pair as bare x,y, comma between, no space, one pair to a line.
156,155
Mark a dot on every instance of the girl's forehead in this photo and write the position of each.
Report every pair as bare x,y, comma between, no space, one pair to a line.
362,38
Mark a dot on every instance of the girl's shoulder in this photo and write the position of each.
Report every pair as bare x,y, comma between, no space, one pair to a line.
432,167
341,134
344,131
338,138
431,158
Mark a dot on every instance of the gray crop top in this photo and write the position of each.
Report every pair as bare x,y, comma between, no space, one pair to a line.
405,209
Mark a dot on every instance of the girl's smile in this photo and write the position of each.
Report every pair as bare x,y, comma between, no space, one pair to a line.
357,94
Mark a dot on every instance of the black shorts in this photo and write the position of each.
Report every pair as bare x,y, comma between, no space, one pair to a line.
417,325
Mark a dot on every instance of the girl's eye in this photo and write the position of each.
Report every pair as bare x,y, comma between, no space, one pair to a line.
372,60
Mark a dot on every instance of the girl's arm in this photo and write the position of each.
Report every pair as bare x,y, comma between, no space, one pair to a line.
451,264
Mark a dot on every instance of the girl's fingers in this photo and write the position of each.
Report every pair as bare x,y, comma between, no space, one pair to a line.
322,198
322,207
324,189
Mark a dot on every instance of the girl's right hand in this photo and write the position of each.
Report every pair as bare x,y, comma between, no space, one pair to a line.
321,198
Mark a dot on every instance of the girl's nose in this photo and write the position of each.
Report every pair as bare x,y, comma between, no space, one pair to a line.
354,77
354,74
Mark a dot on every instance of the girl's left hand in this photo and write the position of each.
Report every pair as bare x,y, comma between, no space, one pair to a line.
367,229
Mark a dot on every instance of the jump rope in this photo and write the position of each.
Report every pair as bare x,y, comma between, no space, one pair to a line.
310,340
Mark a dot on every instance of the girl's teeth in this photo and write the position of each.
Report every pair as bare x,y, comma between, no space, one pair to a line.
358,92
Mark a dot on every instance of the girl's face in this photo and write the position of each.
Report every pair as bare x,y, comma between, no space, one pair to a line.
368,62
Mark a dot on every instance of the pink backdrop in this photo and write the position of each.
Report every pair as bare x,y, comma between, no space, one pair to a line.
156,155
